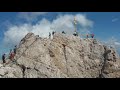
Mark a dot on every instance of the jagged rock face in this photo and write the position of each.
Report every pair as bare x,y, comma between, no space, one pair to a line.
63,56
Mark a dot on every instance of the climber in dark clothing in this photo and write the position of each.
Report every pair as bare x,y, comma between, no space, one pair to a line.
3,58
53,33
49,35
63,32
15,49
75,34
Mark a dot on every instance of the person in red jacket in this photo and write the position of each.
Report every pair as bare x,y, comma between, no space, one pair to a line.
12,56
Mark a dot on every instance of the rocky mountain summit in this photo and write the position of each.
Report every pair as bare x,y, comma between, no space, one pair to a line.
63,56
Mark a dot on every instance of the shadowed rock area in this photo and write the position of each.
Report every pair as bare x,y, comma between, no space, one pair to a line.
63,56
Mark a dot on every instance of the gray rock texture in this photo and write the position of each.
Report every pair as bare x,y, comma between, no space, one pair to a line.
63,56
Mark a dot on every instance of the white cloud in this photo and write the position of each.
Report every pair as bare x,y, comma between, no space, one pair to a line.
115,19
83,21
117,43
42,28
30,16
15,34
66,23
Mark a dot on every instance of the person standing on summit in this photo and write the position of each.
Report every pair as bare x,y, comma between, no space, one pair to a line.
92,35
63,32
49,35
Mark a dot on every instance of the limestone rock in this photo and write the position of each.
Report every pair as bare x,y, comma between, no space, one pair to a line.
63,56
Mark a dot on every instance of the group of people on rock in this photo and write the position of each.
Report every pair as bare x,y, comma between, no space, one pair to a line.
52,34
87,35
11,55
91,35
13,52
75,34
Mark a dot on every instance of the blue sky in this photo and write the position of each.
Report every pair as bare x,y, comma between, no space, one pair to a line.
105,25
